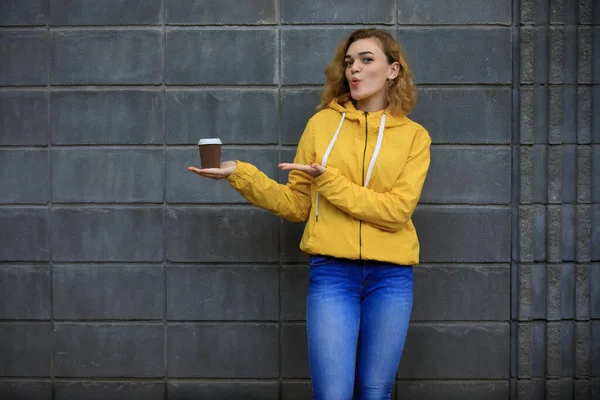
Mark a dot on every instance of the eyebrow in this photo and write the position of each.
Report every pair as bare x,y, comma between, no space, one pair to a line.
360,54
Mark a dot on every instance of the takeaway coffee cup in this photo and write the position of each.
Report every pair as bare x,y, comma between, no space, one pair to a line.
210,152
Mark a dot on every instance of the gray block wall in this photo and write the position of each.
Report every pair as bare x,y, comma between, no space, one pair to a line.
124,276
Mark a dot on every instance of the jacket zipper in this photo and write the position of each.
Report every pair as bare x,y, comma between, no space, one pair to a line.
363,180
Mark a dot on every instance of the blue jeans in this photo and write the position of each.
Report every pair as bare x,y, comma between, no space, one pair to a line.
357,317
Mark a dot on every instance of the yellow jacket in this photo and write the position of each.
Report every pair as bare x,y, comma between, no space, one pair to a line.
346,218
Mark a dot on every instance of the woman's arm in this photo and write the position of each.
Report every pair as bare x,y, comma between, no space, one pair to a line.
291,201
387,211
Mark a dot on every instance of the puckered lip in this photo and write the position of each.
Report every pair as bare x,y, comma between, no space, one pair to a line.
355,80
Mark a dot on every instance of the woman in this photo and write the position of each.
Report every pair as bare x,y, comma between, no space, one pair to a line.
356,179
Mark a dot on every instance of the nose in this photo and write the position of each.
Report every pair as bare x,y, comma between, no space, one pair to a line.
355,66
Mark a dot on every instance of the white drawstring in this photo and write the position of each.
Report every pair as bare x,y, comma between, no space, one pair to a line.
377,148
326,156
373,157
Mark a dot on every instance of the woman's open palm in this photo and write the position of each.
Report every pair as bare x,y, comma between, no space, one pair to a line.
313,170
226,169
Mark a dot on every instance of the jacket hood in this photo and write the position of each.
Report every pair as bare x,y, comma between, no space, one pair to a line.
353,114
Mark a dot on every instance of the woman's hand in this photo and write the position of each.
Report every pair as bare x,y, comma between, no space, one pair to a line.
226,169
313,169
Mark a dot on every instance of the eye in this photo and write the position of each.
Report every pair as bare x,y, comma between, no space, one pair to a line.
367,60
348,63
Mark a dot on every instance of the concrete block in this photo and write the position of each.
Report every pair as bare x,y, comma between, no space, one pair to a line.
588,241
106,176
594,227
554,234
556,126
539,349
564,12
525,350
294,351
116,390
526,233
594,288
572,158
430,351
463,234
585,50
595,55
296,390
187,49
296,67
293,291
106,117
569,236
23,61
469,116
582,349
289,239
436,286
234,116
587,12
582,174
539,291
22,12
108,292
226,351
221,235
443,12
25,349
567,291
539,156
567,348
595,115
297,107
235,293
585,290
24,176
224,12
453,179
594,348
24,117
459,390
485,54
556,43
539,232
110,57
104,234
553,350
215,390
527,11
527,53
338,12
24,234
26,389
184,186
109,350
595,174
24,292
526,117
584,114
525,175
525,293
582,390
106,12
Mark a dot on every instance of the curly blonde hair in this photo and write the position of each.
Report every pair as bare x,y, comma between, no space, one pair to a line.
401,93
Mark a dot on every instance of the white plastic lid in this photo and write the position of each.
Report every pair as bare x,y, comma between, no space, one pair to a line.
210,141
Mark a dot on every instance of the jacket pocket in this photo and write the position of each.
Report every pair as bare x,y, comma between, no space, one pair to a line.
318,260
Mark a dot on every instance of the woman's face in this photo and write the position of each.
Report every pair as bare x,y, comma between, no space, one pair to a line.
368,72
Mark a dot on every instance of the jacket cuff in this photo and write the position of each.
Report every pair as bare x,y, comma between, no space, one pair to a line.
326,177
242,173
